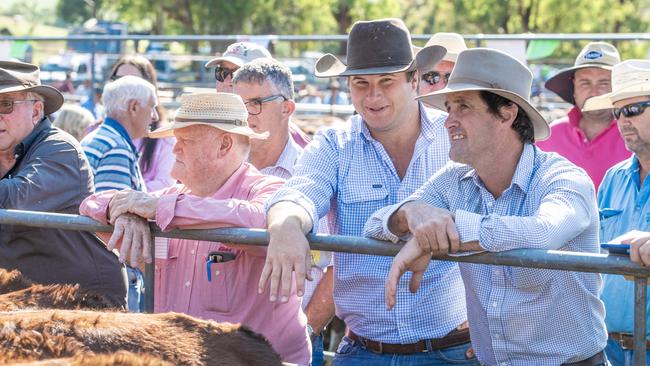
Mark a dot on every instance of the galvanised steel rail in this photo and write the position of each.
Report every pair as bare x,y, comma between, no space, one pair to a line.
529,258
331,38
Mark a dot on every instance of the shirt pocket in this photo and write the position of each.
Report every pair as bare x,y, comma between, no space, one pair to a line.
529,278
218,295
610,223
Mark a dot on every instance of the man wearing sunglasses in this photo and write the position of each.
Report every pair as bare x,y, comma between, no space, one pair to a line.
44,169
590,139
236,55
623,199
434,76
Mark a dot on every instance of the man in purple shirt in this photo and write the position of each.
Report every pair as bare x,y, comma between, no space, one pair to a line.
590,140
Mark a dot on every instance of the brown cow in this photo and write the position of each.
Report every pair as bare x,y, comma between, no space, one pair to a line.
176,338
13,281
120,358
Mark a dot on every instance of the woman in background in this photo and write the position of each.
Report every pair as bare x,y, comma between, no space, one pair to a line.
75,120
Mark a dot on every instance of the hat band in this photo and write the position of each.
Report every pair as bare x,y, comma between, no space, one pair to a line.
18,82
377,64
235,122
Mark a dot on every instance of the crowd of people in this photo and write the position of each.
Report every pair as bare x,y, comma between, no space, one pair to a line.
445,154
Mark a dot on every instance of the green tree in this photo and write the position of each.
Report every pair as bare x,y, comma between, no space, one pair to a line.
77,11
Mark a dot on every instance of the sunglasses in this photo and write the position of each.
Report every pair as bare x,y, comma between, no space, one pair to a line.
7,106
434,77
221,73
631,110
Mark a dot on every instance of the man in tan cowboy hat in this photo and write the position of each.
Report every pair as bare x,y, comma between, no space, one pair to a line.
501,193
434,76
44,169
588,139
218,188
623,200
382,155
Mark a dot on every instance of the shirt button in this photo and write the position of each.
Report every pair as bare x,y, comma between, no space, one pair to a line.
497,335
494,304
192,251
188,283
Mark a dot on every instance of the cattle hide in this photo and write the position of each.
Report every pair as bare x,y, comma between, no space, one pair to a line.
176,338
121,358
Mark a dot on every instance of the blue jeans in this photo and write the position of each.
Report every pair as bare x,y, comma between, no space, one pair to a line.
317,351
351,353
618,356
134,299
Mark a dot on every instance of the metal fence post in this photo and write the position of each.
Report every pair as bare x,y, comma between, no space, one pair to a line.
149,273
640,300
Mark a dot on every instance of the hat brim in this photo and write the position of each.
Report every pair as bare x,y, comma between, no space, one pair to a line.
216,61
429,56
330,66
168,130
606,101
53,99
437,100
562,82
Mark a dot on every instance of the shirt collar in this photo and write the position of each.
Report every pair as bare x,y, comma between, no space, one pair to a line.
288,157
427,129
523,171
117,126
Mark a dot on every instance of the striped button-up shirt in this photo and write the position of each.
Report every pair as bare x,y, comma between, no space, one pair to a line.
523,316
349,172
113,158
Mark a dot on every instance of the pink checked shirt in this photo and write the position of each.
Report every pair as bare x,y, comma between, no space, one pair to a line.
595,156
181,283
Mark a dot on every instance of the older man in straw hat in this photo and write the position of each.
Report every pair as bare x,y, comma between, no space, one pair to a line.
590,140
435,75
500,193
43,168
381,157
623,200
218,189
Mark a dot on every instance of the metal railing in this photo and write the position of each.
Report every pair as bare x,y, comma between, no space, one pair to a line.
530,258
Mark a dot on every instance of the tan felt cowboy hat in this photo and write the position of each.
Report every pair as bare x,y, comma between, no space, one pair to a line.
494,71
601,55
374,47
630,78
224,111
452,42
22,77
240,53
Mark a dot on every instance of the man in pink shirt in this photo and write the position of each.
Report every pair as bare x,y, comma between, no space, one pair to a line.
590,140
218,189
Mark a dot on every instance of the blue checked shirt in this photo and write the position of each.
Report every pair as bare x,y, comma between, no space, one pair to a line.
349,172
523,316
113,158
624,206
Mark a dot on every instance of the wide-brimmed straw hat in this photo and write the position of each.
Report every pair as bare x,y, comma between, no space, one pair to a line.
240,53
22,77
374,47
601,55
494,71
630,78
452,42
224,111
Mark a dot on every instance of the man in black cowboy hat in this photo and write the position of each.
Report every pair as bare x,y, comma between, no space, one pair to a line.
501,193
384,154
44,169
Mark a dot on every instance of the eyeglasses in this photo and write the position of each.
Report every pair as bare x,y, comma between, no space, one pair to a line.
7,106
254,106
631,110
221,73
434,77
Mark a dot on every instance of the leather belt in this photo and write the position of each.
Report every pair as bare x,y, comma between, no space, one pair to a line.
454,338
595,360
626,340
